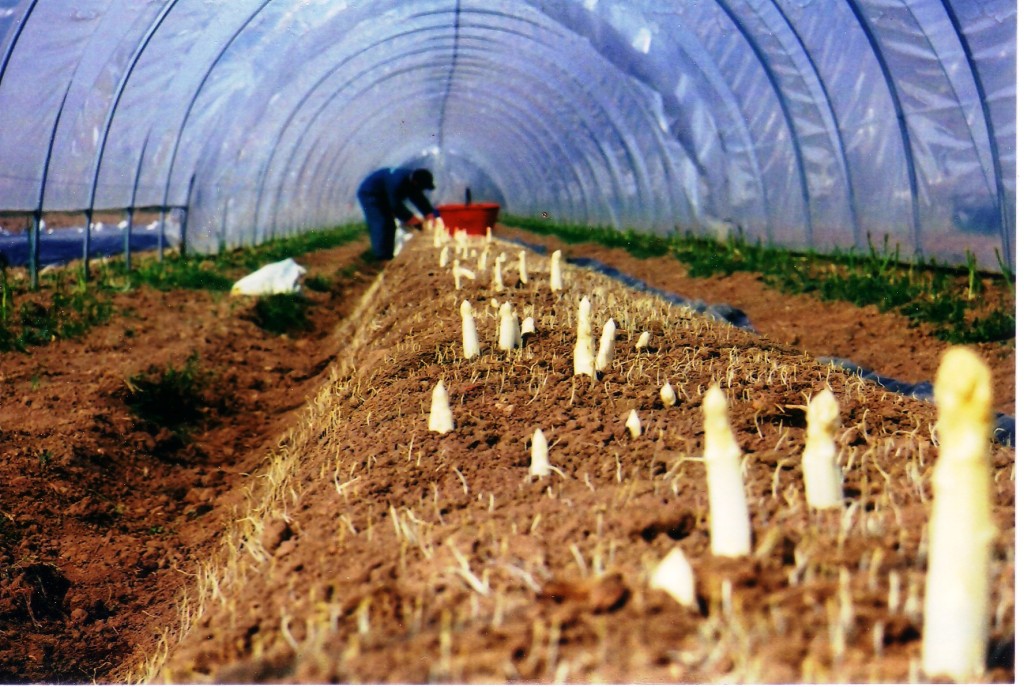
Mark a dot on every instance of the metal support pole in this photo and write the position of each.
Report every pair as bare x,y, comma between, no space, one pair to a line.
223,240
85,244
184,219
131,208
33,250
130,219
160,236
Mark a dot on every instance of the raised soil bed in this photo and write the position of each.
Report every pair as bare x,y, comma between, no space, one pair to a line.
373,550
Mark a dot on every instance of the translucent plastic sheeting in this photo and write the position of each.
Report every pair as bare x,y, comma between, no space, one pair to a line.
805,123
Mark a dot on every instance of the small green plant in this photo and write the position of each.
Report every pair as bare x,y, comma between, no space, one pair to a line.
68,314
318,283
282,313
173,398
5,293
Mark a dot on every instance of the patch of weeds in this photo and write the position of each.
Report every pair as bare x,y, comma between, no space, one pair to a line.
996,326
282,313
638,244
217,273
318,283
945,298
172,398
68,306
6,299
69,313
348,271
181,273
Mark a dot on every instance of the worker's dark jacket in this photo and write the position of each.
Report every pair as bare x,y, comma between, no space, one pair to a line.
383,195
389,188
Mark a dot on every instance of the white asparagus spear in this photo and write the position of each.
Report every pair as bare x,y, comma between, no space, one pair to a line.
470,340
633,424
606,349
583,353
539,465
556,271
509,336
961,528
823,479
524,278
668,394
730,518
441,420
674,575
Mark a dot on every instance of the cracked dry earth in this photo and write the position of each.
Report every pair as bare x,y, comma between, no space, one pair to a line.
377,551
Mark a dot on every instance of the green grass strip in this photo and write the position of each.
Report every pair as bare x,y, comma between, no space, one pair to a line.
219,271
926,293
67,306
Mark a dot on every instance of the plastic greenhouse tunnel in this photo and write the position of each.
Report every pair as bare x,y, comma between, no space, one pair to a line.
804,124
718,386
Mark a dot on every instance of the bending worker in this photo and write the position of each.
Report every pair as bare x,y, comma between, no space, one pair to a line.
383,195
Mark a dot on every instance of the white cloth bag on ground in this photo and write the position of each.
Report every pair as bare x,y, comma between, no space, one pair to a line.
277,277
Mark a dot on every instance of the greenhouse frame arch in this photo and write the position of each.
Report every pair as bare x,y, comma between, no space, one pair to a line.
807,125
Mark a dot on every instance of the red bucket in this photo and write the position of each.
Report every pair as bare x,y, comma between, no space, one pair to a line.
473,218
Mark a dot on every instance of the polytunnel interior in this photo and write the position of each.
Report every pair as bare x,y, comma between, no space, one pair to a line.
803,124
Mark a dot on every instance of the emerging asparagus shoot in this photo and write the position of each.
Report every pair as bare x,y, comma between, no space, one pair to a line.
556,271
539,465
440,413
729,516
823,479
461,273
509,336
524,277
583,353
668,395
606,349
674,575
633,424
961,528
499,263
470,340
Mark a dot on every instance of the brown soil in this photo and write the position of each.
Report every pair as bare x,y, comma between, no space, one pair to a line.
885,342
104,518
320,533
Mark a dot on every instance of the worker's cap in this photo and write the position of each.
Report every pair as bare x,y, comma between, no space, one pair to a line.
422,178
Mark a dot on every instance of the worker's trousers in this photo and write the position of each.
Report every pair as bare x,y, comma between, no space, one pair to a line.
381,223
